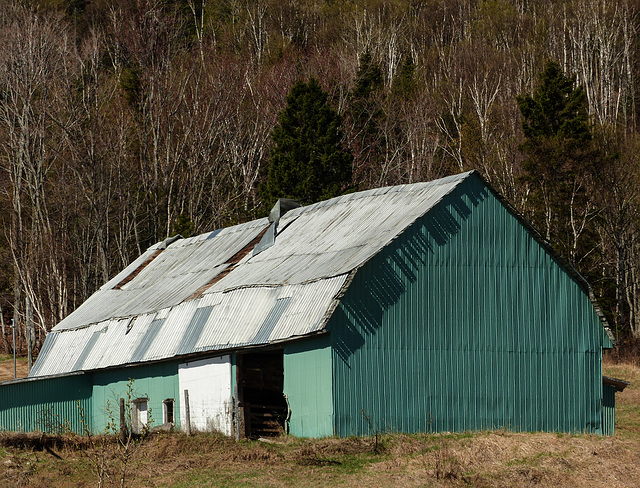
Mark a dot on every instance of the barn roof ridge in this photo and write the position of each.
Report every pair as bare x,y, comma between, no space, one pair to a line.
179,255
186,295
205,282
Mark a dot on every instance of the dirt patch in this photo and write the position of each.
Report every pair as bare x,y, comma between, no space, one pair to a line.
40,441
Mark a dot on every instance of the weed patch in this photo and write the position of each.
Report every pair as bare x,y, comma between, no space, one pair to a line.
482,459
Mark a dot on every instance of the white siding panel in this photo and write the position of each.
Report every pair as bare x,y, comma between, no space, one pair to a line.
209,385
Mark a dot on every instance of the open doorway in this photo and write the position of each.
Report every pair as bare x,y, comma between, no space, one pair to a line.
262,406
139,417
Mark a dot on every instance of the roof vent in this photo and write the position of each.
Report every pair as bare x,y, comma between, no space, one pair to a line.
282,206
168,241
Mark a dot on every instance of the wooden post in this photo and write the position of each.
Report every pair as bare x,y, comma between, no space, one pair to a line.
241,416
246,417
187,413
123,422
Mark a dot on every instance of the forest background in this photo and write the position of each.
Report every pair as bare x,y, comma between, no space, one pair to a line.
123,122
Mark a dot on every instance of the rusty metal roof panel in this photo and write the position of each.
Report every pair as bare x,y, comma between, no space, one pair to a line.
127,270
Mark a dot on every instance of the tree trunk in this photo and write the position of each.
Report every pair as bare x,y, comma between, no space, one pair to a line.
5,344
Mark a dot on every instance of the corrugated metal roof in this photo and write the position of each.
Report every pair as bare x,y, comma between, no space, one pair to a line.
218,321
156,315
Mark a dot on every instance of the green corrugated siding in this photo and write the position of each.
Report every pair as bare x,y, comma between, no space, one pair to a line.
307,385
48,405
463,323
608,410
157,382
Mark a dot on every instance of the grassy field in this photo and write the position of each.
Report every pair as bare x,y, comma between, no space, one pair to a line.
485,459
6,367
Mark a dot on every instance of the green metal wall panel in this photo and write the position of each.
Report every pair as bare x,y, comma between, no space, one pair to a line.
465,322
608,410
54,404
307,386
157,382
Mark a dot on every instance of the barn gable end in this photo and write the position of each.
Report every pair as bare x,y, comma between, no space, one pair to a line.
466,322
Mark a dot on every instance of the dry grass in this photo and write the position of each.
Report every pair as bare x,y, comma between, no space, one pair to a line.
499,459
486,459
627,401
6,367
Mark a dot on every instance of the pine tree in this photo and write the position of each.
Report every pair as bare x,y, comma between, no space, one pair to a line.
404,82
368,78
367,118
307,162
365,106
560,156
557,110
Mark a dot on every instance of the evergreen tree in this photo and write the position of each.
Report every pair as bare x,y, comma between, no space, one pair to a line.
367,118
368,78
365,105
404,83
557,110
560,156
307,161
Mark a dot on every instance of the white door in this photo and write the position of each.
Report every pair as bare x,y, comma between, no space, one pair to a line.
208,382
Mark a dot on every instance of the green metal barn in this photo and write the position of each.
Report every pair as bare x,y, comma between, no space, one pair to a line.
424,307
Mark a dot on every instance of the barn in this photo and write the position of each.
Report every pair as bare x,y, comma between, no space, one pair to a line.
425,307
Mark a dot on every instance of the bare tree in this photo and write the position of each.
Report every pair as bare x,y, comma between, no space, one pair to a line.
35,62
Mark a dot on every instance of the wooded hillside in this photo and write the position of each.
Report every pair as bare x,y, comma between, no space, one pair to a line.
124,122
